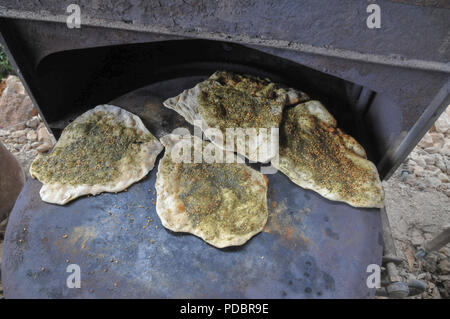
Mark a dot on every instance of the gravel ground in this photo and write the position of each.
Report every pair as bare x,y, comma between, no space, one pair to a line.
417,197
415,216
418,206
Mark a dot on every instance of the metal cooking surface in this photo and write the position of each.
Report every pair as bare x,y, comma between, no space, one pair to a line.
310,248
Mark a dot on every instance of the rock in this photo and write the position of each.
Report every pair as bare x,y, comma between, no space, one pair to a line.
442,124
433,171
435,293
13,83
18,126
445,149
421,161
433,181
4,133
35,144
447,192
429,266
442,164
32,136
418,171
414,155
416,237
26,147
15,104
420,151
446,285
421,276
426,141
420,185
429,160
44,147
16,146
410,180
42,134
443,178
438,139
33,122
445,251
444,266
431,150
18,134
404,175
2,85
3,225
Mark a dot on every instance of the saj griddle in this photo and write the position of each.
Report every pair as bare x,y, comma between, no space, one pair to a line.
310,248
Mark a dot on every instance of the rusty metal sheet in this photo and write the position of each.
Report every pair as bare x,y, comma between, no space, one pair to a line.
310,248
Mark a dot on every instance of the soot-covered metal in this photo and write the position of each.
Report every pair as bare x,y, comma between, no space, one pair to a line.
310,247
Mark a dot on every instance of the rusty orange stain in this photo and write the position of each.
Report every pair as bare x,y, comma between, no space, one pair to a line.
288,233
266,180
79,237
181,207
280,223
306,239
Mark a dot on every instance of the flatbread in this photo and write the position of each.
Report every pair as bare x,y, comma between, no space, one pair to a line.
224,204
317,155
229,100
105,149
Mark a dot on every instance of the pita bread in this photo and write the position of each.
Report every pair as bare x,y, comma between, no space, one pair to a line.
106,149
228,100
317,155
224,204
